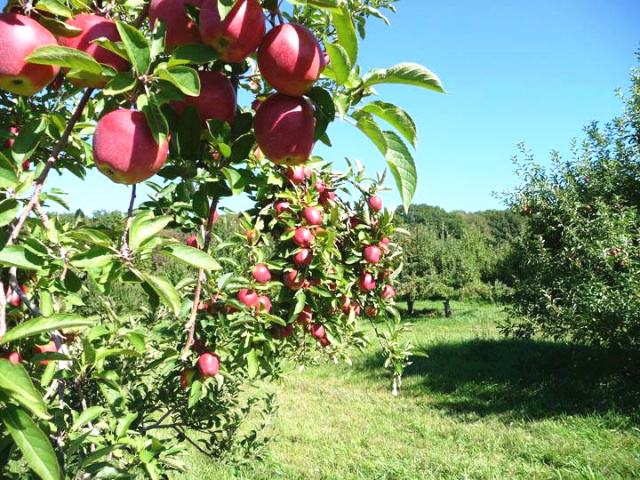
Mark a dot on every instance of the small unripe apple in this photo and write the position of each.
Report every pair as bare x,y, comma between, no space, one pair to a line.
375,203
282,206
284,128
290,59
217,99
317,331
372,254
19,37
388,292
49,347
303,257
209,365
192,241
186,378
237,35
124,148
248,297
312,215
304,318
14,131
261,273
94,27
291,280
181,30
264,304
303,237
366,282
370,311
13,357
346,304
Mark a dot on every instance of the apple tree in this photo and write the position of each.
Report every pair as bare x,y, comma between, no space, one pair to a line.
153,92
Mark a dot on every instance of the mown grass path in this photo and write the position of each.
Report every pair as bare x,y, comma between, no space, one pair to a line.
481,406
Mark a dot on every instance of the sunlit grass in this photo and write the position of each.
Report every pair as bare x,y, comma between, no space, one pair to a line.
481,406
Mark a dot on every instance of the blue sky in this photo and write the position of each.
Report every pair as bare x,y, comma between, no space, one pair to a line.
533,72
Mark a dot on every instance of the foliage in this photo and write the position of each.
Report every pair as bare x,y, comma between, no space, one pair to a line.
112,315
580,245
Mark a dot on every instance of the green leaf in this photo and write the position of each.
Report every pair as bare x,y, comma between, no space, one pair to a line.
193,55
29,138
185,78
36,326
8,177
144,226
52,6
9,208
58,27
87,416
16,384
164,289
122,82
18,256
325,111
115,47
89,235
402,166
32,442
252,363
346,31
124,424
398,118
103,353
235,180
191,256
331,5
340,64
136,46
95,257
404,73
367,125
189,133
195,392
65,57
156,120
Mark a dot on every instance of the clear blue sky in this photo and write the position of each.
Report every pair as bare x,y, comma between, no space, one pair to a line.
515,71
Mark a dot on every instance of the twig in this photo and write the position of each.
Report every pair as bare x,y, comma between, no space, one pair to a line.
158,424
13,281
191,324
198,447
3,311
141,16
124,249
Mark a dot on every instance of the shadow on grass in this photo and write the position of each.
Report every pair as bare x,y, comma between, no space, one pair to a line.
522,379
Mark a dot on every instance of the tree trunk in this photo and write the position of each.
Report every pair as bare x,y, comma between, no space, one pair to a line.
410,307
447,309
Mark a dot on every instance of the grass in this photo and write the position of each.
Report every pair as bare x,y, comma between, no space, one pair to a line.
481,406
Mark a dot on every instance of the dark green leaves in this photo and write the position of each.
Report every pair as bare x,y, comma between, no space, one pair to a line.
39,325
193,55
65,57
137,47
19,256
16,385
191,256
404,73
185,78
144,226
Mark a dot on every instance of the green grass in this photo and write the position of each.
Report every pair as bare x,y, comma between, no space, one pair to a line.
481,406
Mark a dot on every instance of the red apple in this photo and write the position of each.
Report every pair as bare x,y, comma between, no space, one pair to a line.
375,203
261,273
256,104
13,357
93,27
186,378
303,237
181,29
370,311
287,330
49,347
290,59
372,254
237,35
388,292
248,297
217,99
367,282
317,331
124,148
312,215
326,197
296,174
281,207
209,365
192,241
325,342
303,258
284,128
292,282
14,131
264,304
384,244
320,187
304,318
19,37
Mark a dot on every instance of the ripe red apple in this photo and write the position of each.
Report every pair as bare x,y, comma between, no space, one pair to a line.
292,282
284,128
325,342
281,207
286,330
209,364
264,304
248,297
388,292
290,59
303,237
49,347
261,273
326,197
375,203
296,174
124,148
181,29
192,241
384,244
256,104
312,215
304,318
370,311
303,258
317,331
366,282
186,378
320,187
13,357
13,297
93,27
14,131
19,37
217,99
372,254
237,35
